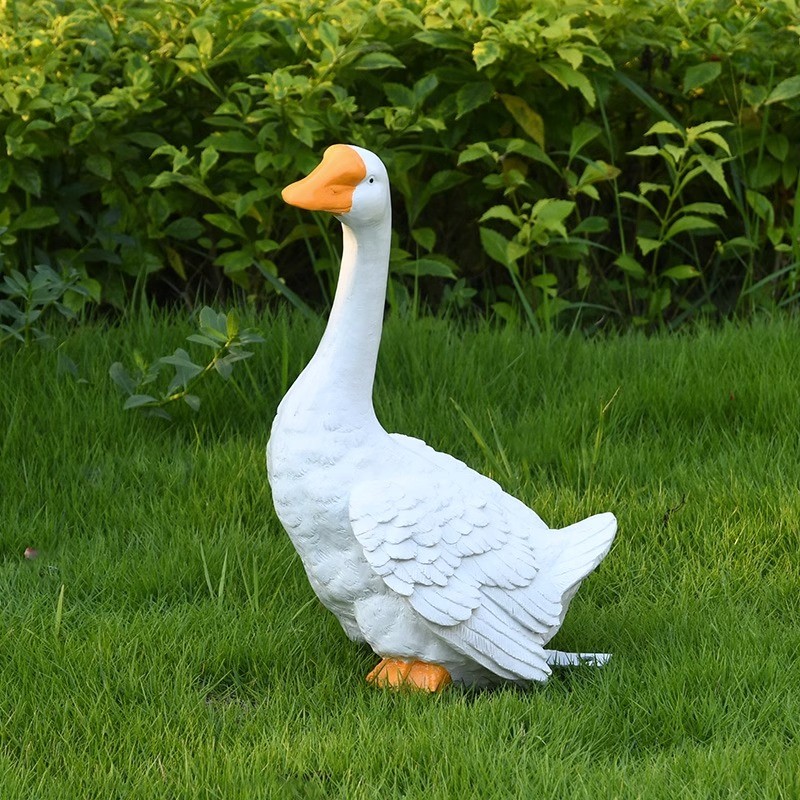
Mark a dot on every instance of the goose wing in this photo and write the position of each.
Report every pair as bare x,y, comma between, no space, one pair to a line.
458,548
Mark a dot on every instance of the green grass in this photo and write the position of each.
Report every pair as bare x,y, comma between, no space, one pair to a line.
166,644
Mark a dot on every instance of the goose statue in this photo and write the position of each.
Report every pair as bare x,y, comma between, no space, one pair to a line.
442,573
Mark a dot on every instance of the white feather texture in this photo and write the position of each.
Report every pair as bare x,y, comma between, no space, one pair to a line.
415,553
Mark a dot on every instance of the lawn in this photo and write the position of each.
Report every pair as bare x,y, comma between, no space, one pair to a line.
166,644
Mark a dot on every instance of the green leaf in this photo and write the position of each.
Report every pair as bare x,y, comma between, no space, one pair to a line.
740,242
545,281
476,151
226,223
122,378
232,324
572,55
486,8
39,125
205,41
379,61
761,205
90,287
138,400
713,167
764,173
681,273
645,150
231,142
146,139
701,74
249,336
629,265
99,165
235,261
398,95
592,225
786,90
778,146
328,35
471,96
425,237
552,212
264,161
27,177
502,212
704,208
423,88
645,188
175,261
158,207
266,245
659,300
184,229
442,40
180,358
188,52
516,250
706,132
193,401
506,311
419,267
689,223
530,122
189,181
532,151
662,126
486,52
15,284
237,354
81,131
206,341
495,245
716,139
223,368
35,218
648,245
677,153
213,323
597,171
589,189
703,127
570,78
443,180
583,133
208,158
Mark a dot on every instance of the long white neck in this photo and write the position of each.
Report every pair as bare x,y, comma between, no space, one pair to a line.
339,378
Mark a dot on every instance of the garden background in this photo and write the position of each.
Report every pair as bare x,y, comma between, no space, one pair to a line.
634,162
593,299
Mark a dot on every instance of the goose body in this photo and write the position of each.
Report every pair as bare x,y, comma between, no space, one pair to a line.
440,571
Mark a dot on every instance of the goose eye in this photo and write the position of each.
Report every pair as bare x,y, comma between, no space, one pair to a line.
372,180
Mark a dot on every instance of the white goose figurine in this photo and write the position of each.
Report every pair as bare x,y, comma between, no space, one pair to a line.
440,571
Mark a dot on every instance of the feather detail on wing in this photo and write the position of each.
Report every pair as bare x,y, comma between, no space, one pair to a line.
451,544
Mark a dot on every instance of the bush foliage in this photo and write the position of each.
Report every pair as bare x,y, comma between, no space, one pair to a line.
555,163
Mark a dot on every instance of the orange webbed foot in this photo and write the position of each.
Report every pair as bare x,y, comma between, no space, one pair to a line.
396,673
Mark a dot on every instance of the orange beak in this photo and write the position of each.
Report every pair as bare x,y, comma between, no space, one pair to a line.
331,185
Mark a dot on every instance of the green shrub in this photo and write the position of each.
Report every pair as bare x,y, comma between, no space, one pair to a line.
147,142
217,332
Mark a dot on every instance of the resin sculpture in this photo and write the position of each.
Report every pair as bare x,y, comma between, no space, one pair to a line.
440,571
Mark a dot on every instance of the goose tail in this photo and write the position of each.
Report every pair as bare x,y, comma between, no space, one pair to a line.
581,547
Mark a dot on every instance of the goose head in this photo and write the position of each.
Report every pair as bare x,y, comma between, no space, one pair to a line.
350,182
